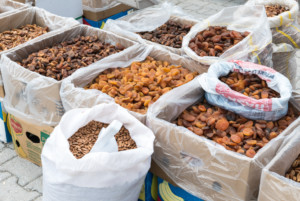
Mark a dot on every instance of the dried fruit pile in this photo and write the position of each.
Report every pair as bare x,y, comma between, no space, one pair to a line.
84,139
250,85
274,10
15,37
138,86
63,59
294,171
170,34
215,40
234,132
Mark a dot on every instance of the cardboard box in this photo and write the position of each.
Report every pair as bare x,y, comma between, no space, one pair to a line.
274,185
199,165
100,24
100,15
28,138
168,192
149,189
5,135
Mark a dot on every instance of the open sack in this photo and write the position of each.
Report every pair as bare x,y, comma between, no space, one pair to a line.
256,47
98,176
34,97
220,94
197,164
148,20
72,91
284,27
274,184
36,16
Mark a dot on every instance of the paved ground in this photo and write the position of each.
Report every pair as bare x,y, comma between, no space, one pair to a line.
21,180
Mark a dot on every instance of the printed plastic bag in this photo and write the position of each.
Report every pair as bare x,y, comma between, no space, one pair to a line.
239,18
72,89
34,97
220,94
99,175
284,27
199,165
147,20
274,184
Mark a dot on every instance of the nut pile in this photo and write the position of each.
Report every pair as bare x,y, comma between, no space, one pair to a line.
294,171
274,10
15,37
215,40
138,86
63,59
84,139
234,132
250,85
170,34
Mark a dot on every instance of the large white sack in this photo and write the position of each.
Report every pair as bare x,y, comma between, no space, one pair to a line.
8,7
255,47
35,97
98,176
148,20
220,94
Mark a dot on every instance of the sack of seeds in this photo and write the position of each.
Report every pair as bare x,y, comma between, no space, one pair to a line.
282,18
240,32
280,178
210,152
252,90
164,25
96,154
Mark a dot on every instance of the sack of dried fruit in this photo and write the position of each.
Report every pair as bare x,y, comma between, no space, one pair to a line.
32,74
282,18
254,91
240,32
280,178
210,152
134,81
164,25
96,154
27,26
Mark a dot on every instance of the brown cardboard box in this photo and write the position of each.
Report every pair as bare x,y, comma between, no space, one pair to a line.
199,165
157,171
96,16
274,186
28,138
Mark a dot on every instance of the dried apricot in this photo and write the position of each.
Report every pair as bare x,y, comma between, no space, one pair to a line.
222,124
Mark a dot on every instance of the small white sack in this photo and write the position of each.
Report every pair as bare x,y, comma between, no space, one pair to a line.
148,20
98,176
239,18
220,94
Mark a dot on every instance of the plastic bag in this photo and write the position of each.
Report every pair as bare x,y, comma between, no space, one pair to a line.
98,176
147,20
284,60
98,6
72,89
239,18
284,27
8,7
199,165
34,97
34,16
274,184
220,94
